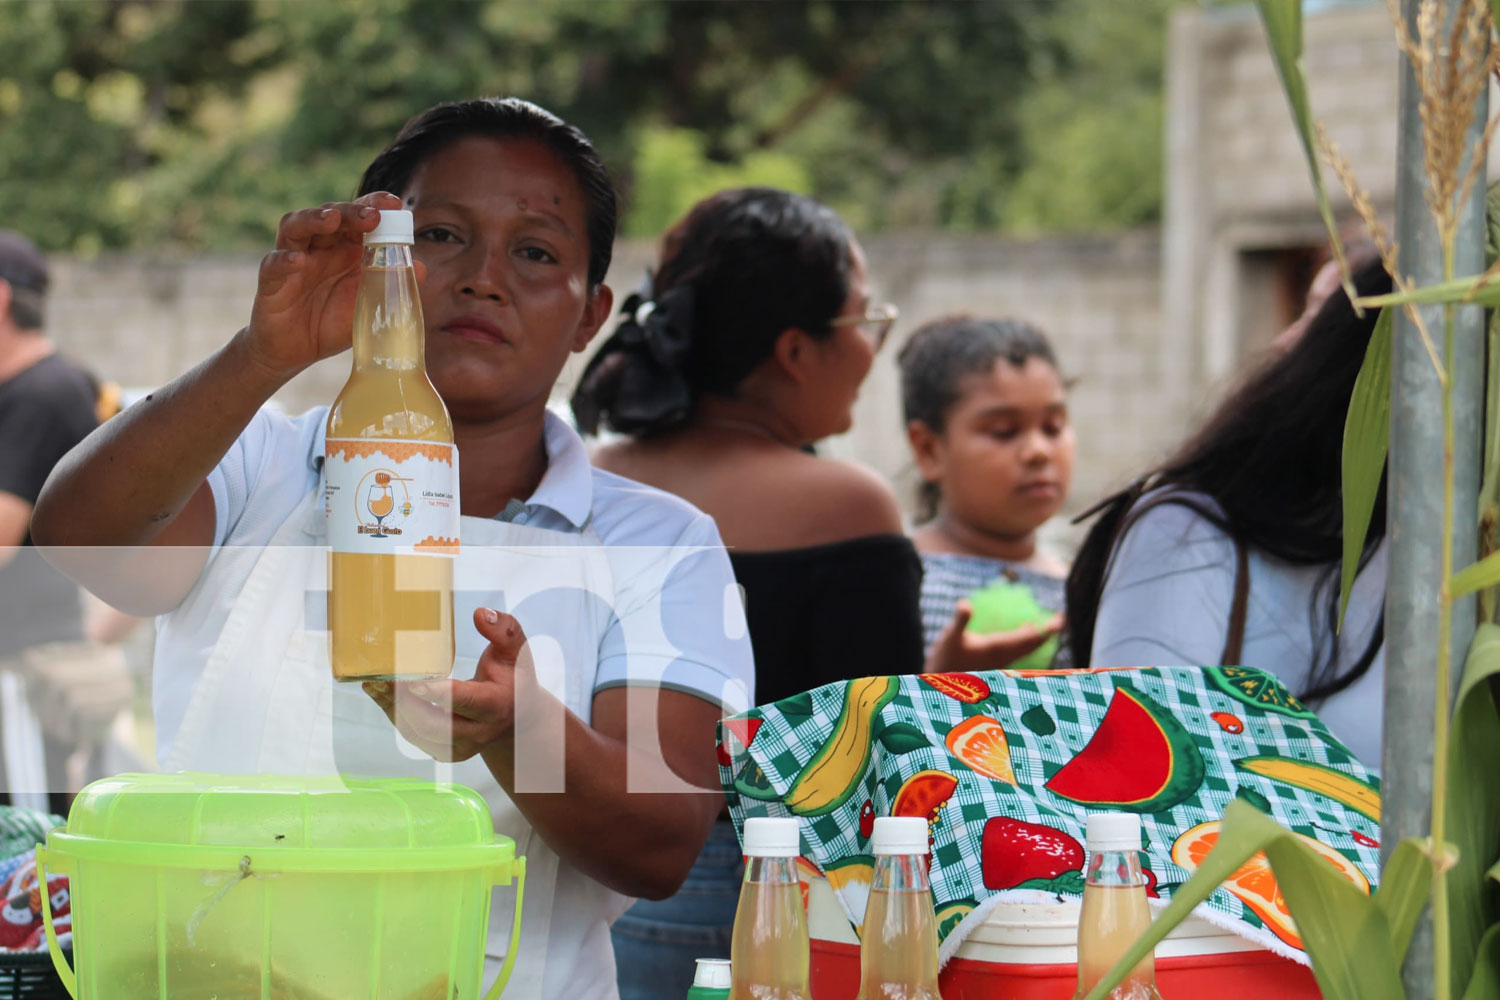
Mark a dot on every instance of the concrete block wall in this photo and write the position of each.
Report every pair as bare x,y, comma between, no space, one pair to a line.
1096,298
1251,151
141,321
1237,178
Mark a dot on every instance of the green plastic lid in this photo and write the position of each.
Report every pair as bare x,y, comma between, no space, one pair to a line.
282,823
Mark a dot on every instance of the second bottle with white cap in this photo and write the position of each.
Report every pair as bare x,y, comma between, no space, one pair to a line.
898,952
769,949
1115,913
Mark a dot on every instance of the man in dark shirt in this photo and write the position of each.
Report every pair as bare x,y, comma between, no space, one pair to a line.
47,405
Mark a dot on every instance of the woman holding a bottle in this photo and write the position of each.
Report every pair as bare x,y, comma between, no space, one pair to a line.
514,221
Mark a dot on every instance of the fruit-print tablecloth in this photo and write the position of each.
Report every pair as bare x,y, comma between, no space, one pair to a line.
1006,764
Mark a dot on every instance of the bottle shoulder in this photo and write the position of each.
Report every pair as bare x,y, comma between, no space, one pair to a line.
400,405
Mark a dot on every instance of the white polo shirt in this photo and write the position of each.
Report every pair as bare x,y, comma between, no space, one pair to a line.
276,463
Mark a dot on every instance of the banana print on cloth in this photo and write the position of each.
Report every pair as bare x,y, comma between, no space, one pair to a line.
1005,766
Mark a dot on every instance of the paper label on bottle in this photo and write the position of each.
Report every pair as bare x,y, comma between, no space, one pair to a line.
388,495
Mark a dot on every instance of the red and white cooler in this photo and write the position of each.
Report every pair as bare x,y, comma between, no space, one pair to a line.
1029,952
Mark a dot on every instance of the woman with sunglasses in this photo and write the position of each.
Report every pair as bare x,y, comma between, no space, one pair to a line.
750,343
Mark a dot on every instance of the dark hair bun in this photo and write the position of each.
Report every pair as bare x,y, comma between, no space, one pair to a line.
636,379
741,268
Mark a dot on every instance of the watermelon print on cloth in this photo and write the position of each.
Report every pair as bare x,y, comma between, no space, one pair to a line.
1006,765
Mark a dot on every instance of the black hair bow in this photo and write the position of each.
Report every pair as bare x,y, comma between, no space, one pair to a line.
637,380
663,327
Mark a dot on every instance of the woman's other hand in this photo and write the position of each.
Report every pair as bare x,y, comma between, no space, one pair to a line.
454,720
958,650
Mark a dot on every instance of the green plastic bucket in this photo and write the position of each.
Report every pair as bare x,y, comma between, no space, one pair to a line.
245,887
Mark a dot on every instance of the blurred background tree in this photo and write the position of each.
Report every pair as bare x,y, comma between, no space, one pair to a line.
130,123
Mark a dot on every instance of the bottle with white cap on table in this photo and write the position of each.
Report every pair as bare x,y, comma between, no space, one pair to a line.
1115,913
769,950
898,952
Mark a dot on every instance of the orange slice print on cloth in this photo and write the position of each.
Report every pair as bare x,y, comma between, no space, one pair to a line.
923,794
966,688
1254,882
980,743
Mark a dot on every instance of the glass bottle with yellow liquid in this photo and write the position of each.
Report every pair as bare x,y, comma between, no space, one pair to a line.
1115,913
391,483
898,951
768,953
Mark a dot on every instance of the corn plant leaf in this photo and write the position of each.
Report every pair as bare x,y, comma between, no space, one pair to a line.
1485,983
1473,807
1489,482
1367,434
1283,21
1405,884
1476,289
1492,202
1346,935
1476,576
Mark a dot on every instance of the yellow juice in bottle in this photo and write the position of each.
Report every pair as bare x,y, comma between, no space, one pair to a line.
391,491
891,969
769,951
1114,913
1112,919
898,951
769,958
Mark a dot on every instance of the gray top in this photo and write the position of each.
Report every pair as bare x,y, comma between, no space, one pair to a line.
1167,599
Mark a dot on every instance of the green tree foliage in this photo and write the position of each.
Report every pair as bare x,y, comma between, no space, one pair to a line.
1092,127
197,124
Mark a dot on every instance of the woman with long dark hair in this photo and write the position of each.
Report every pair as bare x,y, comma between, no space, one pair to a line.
751,343
1229,551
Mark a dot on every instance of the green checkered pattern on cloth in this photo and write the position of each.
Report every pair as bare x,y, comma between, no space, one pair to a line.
22,829
1180,743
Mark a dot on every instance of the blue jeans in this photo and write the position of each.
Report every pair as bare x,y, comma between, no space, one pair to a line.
657,942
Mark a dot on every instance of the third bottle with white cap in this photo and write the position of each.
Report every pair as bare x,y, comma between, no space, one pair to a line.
769,949
1115,913
898,952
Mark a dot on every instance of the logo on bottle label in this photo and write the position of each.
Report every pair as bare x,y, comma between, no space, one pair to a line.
385,496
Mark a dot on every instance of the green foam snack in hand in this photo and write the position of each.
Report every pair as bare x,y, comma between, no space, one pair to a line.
1003,606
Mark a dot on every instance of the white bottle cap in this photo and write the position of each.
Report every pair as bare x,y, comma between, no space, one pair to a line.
1113,831
713,974
772,837
395,226
899,835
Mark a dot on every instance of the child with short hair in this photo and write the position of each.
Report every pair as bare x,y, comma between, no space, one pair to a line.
987,417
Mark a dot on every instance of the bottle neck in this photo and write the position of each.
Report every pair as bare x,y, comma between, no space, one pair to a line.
773,870
901,873
388,327
1115,869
